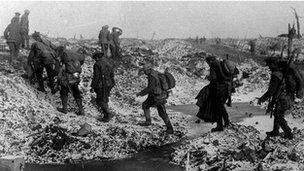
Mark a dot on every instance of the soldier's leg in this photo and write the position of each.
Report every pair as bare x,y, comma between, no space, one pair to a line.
77,95
51,74
219,123
112,48
108,114
12,51
225,117
64,91
39,74
146,108
17,48
276,127
163,114
283,124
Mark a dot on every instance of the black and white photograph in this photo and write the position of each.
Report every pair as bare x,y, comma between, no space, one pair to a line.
151,85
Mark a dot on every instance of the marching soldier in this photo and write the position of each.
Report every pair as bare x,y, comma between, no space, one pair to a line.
102,84
277,90
24,23
156,98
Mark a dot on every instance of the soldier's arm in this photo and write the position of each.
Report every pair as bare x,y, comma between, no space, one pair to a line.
149,88
6,31
96,76
273,85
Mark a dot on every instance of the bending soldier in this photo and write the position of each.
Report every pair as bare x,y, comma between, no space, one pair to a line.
156,98
114,42
102,84
283,97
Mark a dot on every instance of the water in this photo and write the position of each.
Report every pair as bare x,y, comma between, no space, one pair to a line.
152,159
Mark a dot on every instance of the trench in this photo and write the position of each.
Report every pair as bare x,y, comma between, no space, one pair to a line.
155,157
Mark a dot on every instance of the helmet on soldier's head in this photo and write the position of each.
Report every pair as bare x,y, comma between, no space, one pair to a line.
36,34
27,11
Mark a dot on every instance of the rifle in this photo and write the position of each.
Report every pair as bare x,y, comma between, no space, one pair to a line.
290,54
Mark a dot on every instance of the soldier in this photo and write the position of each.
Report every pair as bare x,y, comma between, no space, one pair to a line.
104,38
16,17
69,79
12,34
37,37
102,83
156,98
283,102
25,29
219,88
40,57
114,42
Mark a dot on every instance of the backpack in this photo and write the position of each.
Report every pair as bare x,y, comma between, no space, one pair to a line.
170,80
163,81
294,81
229,68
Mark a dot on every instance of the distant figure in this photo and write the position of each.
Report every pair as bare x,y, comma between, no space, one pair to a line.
115,42
102,84
196,40
204,39
12,34
104,38
16,17
25,29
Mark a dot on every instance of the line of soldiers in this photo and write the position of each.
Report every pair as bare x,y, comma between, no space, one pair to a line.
16,34
63,68
110,40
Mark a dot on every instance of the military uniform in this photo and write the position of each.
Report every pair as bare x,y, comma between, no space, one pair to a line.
41,56
156,98
102,84
219,88
104,38
284,102
12,34
69,79
24,23
114,42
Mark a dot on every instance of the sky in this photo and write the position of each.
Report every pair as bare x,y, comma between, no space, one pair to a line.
167,19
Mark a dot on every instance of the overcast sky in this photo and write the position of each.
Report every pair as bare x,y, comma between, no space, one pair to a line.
166,19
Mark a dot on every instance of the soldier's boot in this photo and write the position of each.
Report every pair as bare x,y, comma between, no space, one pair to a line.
287,131
108,114
275,130
227,123
148,118
80,107
168,123
64,109
219,125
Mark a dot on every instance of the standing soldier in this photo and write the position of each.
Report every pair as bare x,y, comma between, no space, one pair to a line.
277,91
157,97
104,38
115,42
16,17
69,79
102,83
12,34
25,29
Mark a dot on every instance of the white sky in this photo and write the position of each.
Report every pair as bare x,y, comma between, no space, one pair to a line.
167,19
